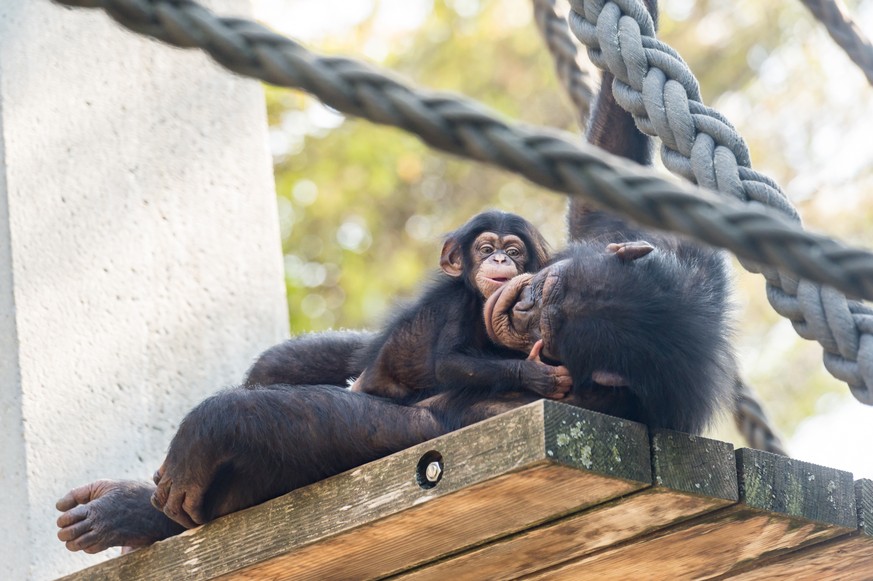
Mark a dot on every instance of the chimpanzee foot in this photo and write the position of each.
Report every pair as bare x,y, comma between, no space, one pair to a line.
111,513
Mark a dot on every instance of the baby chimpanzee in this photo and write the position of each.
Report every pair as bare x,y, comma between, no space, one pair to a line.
439,341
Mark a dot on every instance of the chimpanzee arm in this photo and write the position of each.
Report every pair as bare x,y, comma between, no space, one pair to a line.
243,446
329,358
615,131
499,374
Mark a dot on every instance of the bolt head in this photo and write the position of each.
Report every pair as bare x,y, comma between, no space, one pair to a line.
433,471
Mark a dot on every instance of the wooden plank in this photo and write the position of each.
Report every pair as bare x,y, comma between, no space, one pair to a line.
502,475
848,558
784,504
693,476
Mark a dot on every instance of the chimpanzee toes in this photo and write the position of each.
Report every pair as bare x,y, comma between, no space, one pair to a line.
111,513
73,523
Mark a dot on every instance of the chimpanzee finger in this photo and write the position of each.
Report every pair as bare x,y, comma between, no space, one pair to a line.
159,473
193,505
173,508
535,351
565,380
162,492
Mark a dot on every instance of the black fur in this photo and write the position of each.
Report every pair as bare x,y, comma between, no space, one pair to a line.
439,341
660,321
329,358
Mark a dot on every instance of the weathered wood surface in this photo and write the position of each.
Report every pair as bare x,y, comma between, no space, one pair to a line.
692,476
544,492
784,505
848,558
511,472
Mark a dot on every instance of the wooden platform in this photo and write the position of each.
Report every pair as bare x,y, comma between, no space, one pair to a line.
547,491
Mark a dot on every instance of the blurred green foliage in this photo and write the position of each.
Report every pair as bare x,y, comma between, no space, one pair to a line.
363,207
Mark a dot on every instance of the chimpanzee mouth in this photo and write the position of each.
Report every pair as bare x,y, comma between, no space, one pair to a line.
498,314
499,279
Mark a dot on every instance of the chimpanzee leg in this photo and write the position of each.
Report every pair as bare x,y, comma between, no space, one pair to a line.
246,445
329,358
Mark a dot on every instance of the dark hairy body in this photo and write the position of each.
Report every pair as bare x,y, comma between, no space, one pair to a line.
638,318
439,341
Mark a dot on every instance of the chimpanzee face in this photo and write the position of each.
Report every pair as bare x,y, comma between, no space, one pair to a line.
585,284
520,313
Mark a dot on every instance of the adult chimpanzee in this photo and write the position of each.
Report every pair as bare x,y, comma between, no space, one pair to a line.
647,318
640,325
439,341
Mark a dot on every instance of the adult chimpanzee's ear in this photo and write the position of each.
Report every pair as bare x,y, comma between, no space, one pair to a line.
609,379
451,259
627,251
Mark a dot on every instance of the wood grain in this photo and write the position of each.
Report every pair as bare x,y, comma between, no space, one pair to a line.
694,476
848,558
780,511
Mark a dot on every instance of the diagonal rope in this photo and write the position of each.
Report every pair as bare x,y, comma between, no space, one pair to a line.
465,128
576,81
844,31
748,410
655,85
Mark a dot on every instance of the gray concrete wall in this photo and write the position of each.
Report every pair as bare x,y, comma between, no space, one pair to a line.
140,263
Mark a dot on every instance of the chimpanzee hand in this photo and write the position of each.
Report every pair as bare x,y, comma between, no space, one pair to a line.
203,448
551,381
244,446
183,479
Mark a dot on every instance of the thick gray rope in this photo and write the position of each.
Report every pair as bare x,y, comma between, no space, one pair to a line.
753,423
845,32
748,410
576,81
465,128
655,85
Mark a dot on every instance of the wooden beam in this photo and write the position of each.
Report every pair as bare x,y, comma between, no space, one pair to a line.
784,504
500,476
848,558
692,475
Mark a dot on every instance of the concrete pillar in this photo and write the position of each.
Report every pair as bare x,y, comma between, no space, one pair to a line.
140,262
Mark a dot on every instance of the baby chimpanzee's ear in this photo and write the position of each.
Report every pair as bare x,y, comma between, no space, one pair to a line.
627,251
451,259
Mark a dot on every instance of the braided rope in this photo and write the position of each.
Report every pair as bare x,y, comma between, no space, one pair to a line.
575,80
752,422
655,85
748,410
845,33
459,126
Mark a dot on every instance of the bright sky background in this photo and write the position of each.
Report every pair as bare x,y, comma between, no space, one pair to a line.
840,435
